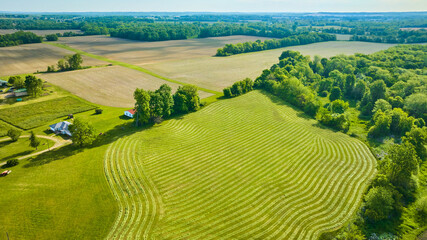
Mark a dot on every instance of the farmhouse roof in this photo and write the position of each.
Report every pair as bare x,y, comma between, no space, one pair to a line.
132,111
20,90
61,127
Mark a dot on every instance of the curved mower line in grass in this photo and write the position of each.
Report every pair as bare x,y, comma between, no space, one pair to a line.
127,65
245,168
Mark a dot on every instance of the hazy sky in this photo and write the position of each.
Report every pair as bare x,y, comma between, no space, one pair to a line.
213,5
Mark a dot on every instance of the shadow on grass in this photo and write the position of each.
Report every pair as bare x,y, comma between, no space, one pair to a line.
50,156
277,100
119,131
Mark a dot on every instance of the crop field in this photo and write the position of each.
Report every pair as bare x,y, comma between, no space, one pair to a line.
108,86
30,58
39,32
36,114
218,72
191,61
141,53
246,168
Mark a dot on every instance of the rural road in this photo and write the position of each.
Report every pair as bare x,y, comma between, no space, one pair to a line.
58,143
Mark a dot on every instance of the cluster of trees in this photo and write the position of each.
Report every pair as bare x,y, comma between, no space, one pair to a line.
153,106
19,38
68,63
33,84
301,39
52,37
239,88
286,81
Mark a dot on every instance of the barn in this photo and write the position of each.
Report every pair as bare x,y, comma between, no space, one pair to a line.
20,92
130,113
3,83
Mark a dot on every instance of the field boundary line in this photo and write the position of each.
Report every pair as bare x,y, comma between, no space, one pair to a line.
127,65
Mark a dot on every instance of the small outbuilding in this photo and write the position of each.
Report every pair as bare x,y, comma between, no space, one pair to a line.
3,83
61,128
130,113
20,92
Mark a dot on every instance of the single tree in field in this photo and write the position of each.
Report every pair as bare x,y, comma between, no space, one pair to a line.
14,134
166,94
63,65
34,85
82,133
34,140
142,106
75,61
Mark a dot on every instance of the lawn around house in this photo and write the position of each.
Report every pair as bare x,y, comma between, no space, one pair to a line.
12,150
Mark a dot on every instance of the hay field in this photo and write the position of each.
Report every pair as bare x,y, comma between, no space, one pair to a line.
244,168
108,86
29,58
218,72
142,53
39,32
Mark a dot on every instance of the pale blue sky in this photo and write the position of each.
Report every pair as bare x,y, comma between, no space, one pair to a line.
213,5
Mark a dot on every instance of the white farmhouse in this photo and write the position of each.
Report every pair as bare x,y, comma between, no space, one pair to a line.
130,113
61,128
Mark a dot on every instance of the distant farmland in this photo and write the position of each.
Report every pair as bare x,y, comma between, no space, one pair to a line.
142,53
218,72
191,61
245,168
39,32
109,86
32,57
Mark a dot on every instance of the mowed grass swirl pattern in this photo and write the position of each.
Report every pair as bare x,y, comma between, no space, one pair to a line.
246,168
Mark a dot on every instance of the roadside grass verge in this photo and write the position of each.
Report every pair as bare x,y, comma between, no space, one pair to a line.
36,114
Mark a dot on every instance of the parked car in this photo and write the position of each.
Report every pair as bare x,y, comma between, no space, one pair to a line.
5,173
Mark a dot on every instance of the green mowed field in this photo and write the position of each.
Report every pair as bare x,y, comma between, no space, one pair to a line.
57,195
36,114
246,168
11,150
63,194
217,73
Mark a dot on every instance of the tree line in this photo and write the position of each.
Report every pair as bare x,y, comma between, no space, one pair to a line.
301,39
19,38
68,63
154,106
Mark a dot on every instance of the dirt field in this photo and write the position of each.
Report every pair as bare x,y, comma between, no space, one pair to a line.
218,72
142,53
38,32
191,60
32,57
109,86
